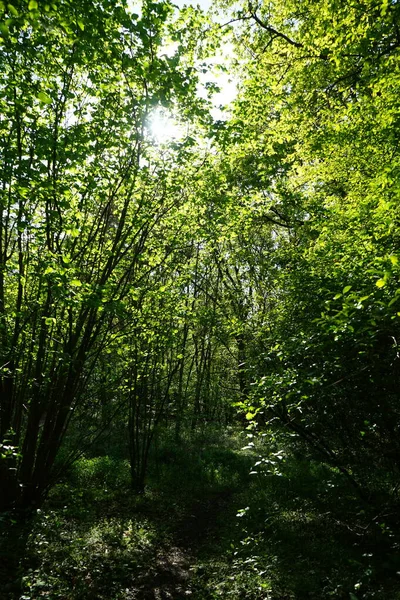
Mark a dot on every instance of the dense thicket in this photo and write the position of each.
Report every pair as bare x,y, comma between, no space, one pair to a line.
317,157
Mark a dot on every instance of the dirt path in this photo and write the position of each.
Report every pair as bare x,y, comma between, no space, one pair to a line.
170,576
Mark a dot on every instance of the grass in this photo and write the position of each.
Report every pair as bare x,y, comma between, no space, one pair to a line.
208,529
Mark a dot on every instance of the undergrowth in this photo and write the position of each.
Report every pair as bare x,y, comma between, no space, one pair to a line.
279,527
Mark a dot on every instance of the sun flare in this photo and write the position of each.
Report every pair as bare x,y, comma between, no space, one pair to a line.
165,128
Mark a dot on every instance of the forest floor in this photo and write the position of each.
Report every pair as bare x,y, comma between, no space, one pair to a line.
210,526
95,540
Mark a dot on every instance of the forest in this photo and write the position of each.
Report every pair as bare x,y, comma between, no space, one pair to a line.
200,300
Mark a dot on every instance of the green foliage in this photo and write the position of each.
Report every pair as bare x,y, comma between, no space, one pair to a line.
147,289
101,472
209,462
94,539
90,208
86,557
293,540
315,171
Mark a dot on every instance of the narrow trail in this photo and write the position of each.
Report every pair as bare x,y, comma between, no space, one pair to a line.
171,574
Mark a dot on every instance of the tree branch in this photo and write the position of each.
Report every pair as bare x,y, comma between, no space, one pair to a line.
274,32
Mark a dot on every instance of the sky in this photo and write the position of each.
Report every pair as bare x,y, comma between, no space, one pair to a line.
223,80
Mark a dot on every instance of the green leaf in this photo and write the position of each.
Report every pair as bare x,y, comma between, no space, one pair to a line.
12,10
76,282
346,289
43,97
81,25
33,5
380,283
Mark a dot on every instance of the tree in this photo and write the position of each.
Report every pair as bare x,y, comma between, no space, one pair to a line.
315,155
79,204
